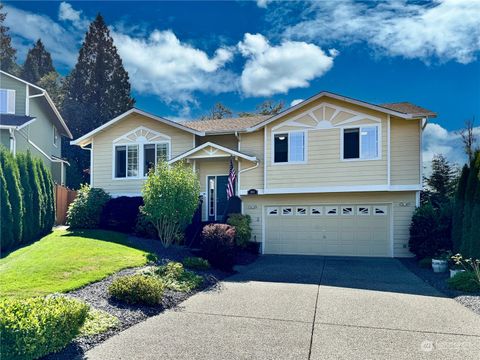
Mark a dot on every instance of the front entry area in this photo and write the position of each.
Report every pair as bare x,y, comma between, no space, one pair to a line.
216,196
333,229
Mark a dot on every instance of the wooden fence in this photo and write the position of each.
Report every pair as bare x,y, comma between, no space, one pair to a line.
63,198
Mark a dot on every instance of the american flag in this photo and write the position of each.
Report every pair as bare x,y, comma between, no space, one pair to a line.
231,180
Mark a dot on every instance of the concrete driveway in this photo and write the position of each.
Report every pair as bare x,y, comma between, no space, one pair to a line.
293,307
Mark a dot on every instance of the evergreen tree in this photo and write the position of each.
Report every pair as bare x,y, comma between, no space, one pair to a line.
7,52
6,225
52,82
36,196
37,64
43,200
10,172
470,229
96,91
474,241
49,197
459,205
442,181
23,169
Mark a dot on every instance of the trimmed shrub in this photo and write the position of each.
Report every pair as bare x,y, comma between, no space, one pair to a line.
32,328
120,214
137,289
175,277
430,231
98,322
12,179
36,196
459,205
6,223
425,263
196,263
49,197
218,245
464,281
42,195
85,211
243,231
29,218
144,227
470,229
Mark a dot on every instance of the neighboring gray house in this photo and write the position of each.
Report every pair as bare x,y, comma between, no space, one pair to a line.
30,121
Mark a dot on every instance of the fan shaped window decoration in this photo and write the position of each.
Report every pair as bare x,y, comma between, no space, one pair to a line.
272,211
316,210
380,210
331,210
138,151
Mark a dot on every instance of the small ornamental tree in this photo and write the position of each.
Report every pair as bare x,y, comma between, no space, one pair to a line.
171,196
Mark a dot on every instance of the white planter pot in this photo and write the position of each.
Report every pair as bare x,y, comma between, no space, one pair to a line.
439,266
454,272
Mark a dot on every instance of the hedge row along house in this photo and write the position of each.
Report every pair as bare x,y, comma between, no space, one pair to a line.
330,176
29,121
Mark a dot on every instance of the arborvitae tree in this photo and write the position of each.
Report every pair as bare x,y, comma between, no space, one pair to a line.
10,172
37,64
36,196
474,241
442,181
96,91
29,231
49,198
43,200
459,205
6,224
7,52
470,229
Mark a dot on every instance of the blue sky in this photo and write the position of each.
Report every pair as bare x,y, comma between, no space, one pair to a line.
183,57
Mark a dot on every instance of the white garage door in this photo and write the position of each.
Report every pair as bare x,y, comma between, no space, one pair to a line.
345,230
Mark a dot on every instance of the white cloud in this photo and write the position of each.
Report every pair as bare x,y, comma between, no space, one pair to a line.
67,12
27,27
444,29
262,3
161,64
438,140
276,69
296,102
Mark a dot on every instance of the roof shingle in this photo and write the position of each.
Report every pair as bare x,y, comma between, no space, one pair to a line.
225,125
409,108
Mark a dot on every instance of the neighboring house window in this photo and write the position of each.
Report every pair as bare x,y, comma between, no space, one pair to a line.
133,161
55,136
360,143
7,101
289,147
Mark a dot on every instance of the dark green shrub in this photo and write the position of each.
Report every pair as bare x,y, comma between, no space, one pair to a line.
121,213
6,223
29,230
425,263
430,231
85,211
36,196
137,289
459,205
42,195
243,231
464,281
144,227
32,328
175,277
218,245
12,179
470,229
49,197
196,263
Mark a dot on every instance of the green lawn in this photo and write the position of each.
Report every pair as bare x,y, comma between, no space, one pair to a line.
64,261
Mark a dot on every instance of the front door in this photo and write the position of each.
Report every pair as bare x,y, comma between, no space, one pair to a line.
217,196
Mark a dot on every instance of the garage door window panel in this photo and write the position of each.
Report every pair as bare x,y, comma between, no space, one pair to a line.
380,210
301,211
331,210
316,210
287,211
272,211
363,210
347,210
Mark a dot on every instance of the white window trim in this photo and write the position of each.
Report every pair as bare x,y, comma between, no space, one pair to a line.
10,93
141,164
55,136
288,162
379,142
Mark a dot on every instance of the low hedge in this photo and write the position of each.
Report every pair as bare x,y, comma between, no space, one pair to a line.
121,213
196,263
32,328
137,289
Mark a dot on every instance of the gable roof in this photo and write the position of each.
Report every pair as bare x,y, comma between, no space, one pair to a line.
228,151
379,108
229,125
86,139
61,122
409,108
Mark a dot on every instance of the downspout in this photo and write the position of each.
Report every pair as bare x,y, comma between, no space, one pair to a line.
13,141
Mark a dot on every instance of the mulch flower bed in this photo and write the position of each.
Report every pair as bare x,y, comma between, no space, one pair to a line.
96,294
439,281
